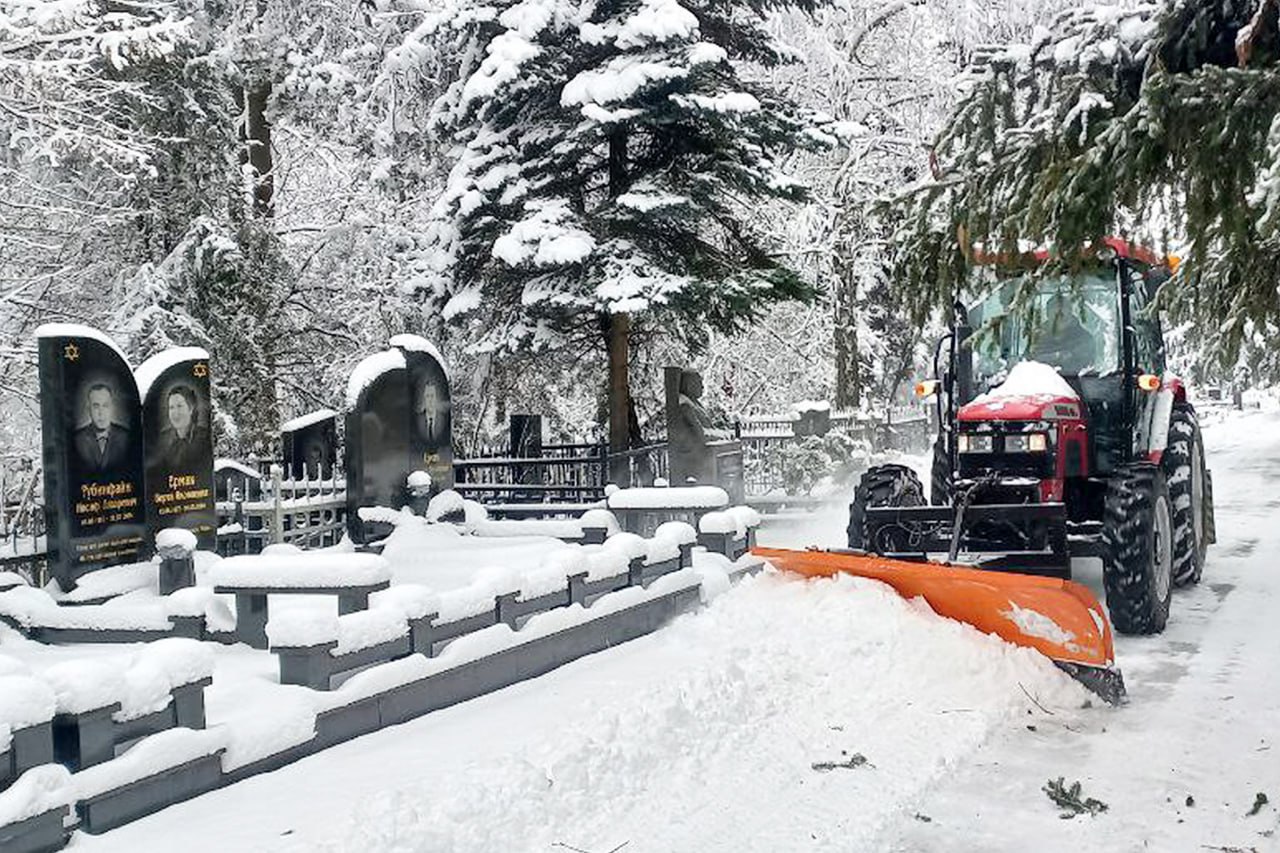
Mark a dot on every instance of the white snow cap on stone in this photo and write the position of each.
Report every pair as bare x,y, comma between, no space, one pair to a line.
182,660
368,371
411,600
417,343
39,790
75,330
700,497
176,542
25,701
418,480
233,465
600,518
149,371
1030,379
307,420
445,503
679,532
297,628
83,685
368,628
628,544
475,511
301,570
718,522
746,517
610,488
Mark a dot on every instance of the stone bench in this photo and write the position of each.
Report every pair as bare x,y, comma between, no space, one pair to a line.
27,706
643,510
101,705
351,578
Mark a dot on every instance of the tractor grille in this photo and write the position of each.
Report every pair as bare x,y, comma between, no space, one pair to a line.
999,463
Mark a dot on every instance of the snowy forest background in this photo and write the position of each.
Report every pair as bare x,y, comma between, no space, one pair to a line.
264,179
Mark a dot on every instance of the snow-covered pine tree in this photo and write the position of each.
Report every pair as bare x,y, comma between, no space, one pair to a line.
1157,119
606,157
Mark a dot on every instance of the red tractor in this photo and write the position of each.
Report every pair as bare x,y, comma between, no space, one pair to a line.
1061,435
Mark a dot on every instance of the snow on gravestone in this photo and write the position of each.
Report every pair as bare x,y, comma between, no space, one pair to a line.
398,421
91,426
309,445
177,415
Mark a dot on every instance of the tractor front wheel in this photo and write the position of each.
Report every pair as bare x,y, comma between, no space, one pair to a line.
882,485
1184,470
1138,549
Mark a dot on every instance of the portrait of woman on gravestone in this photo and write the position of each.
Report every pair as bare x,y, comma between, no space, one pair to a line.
183,437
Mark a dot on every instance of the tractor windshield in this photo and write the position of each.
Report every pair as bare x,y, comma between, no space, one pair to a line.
1069,322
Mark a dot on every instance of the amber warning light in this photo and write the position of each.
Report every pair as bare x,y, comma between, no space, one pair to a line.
1149,382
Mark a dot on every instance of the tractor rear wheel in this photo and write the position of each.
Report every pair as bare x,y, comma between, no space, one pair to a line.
940,475
1137,561
882,485
1184,470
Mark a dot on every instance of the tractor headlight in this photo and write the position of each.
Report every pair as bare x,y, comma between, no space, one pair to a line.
974,443
1027,442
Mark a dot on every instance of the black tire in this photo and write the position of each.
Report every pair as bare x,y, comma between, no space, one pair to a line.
940,475
1184,471
1137,563
883,485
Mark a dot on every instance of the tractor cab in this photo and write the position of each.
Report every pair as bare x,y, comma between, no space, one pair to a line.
1060,435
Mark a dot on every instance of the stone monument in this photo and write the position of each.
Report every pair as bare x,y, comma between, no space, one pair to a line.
309,445
92,429
177,440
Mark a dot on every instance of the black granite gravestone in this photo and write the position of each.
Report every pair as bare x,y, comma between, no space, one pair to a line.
177,414
310,445
376,453
92,436
431,434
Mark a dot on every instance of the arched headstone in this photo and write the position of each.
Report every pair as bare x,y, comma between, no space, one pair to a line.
310,443
177,416
92,435
431,435
377,456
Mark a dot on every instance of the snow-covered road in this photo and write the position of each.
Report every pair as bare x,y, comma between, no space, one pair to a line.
726,731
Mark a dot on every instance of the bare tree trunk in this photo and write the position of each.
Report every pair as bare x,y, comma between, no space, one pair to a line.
619,337
257,138
619,395
848,364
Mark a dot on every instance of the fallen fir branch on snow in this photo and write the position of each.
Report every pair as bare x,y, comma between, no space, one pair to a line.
1068,799
853,763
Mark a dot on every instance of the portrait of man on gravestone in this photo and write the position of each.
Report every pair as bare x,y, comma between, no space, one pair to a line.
430,414
183,438
102,444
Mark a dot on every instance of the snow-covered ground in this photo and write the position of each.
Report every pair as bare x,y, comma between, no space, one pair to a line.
727,731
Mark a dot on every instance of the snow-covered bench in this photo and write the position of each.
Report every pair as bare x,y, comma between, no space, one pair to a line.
591,528
9,580
731,533
103,704
407,620
27,706
352,578
34,613
33,810
643,510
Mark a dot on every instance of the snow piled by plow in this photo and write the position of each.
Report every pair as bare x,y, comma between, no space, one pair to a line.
710,735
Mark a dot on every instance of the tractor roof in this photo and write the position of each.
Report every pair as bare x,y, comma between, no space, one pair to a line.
1123,248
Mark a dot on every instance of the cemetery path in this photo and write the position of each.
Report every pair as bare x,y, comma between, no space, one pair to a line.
823,716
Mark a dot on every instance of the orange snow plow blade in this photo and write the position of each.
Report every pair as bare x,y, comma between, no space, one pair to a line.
1058,618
